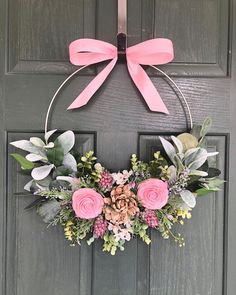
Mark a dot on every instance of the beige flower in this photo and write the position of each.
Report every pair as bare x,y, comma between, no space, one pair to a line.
121,205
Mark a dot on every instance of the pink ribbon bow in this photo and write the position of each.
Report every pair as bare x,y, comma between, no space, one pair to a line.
152,52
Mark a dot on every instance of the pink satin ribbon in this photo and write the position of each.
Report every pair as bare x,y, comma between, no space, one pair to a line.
152,52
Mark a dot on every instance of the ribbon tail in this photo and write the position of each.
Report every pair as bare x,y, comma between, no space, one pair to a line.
93,86
146,87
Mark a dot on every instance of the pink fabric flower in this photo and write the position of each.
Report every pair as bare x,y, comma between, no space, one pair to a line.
153,193
87,203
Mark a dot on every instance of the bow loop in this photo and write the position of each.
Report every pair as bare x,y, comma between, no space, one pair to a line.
90,51
152,52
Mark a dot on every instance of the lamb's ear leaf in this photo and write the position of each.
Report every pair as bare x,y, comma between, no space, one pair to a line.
35,158
41,172
196,159
70,162
198,163
203,143
198,173
28,185
201,157
67,141
48,210
178,144
196,131
74,182
212,154
37,142
24,163
169,149
206,126
26,145
179,164
189,198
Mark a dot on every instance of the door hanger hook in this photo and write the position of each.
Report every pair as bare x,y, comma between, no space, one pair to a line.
122,30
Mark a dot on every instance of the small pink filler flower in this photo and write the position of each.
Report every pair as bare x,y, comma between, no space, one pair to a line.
100,227
106,180
87,203
153,193
150,218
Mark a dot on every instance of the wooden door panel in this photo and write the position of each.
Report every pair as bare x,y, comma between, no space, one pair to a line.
40,31
38,258
199,30
205,236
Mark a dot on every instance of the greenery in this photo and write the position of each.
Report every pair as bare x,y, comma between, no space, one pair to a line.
58,172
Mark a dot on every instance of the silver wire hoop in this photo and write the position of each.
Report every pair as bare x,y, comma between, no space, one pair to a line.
80,69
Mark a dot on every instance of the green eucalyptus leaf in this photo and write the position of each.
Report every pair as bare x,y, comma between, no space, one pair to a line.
188,141
55,155
205,191
24,163
215,182
91,240
62,171
80,165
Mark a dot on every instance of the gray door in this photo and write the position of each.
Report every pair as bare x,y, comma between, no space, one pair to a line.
34,40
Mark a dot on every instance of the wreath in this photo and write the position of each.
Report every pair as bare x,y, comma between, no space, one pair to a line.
90,202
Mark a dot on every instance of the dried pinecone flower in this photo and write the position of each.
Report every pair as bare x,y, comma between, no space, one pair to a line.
121,205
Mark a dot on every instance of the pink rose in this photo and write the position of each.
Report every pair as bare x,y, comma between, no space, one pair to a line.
87,203
153,193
